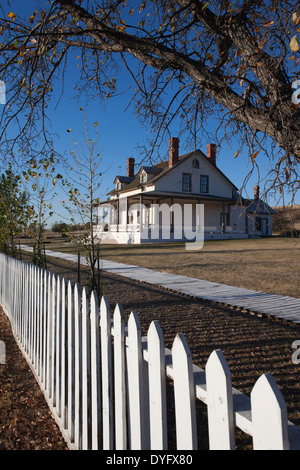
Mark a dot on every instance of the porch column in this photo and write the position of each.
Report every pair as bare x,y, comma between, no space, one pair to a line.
223,218
126,220
141,212
172,217
118,214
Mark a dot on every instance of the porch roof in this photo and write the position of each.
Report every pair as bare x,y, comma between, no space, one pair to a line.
176,195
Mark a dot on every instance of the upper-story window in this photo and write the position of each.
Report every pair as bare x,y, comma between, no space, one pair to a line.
143,177
118,185
196,163
186,182
204,184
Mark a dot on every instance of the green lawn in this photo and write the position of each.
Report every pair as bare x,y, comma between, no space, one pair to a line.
269,265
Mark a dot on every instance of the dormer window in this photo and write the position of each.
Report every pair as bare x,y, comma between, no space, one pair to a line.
143,178
118,185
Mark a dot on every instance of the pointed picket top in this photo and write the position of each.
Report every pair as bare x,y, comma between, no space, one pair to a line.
104,310
95,312
77,299
85,294
184,392
118,318
269,415
134,327
70,285
219,403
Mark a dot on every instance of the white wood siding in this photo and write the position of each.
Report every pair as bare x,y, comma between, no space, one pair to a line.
172,181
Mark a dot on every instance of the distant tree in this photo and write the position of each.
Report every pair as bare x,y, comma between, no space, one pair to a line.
60,227
40,179
236,61
15,211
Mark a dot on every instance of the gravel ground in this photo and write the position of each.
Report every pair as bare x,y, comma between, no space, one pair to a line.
252,345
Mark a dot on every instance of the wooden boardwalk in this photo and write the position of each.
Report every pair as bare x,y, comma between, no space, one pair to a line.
284,307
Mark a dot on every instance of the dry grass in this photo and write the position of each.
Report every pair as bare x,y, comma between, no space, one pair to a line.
270,265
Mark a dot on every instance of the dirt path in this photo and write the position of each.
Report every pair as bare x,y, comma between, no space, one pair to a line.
25,420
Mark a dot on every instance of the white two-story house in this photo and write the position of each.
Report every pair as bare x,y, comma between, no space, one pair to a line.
156,203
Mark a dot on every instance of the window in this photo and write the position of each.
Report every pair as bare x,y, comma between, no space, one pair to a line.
203,184
143,178
186,182
196,163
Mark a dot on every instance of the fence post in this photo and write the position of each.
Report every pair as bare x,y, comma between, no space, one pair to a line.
157,388
120,379
185,409
269,416
219,403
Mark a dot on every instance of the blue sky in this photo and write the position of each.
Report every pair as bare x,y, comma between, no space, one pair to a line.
120,131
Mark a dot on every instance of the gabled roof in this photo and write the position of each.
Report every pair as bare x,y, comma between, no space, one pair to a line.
258,206
123,179
162,168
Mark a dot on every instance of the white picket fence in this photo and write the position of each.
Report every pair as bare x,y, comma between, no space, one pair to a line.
106,384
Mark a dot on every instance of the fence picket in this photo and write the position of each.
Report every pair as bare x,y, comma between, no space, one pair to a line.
48,340
136,394
58,333
78,366
53,338
106,357
269,416
186,432
95,373
157,387
64,357
120,380
219,403
71,362
85,369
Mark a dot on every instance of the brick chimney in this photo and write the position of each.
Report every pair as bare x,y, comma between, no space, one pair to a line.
211,153
130,167
173,151
256,192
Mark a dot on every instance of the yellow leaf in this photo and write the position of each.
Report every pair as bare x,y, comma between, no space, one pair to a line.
294,44
254,156
236,154
269,23
131,11
296,19
12,15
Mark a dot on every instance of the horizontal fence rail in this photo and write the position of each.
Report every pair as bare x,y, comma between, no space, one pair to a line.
106,384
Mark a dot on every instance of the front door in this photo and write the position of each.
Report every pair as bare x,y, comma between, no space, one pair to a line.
264,226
